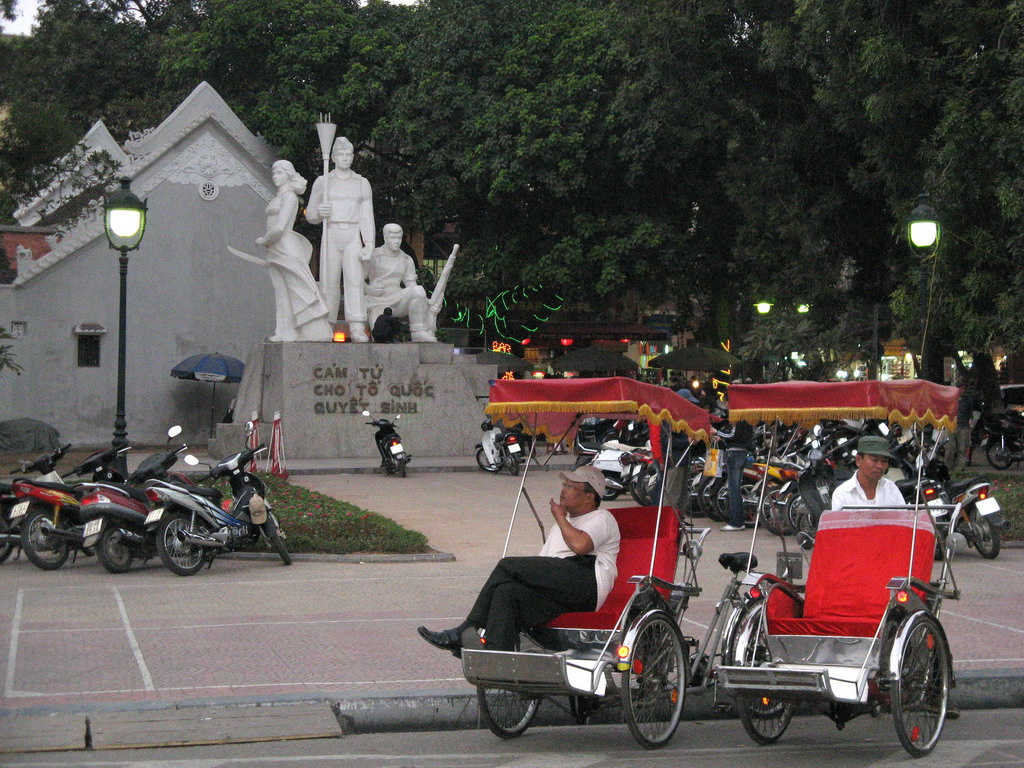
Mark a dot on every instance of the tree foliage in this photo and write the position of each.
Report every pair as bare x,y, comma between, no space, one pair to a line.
696,152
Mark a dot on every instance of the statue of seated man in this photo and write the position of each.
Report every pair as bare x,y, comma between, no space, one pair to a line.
392,283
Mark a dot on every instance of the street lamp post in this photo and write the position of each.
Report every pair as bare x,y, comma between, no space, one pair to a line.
124,222
923,232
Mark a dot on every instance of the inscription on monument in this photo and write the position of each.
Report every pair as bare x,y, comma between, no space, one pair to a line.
344,389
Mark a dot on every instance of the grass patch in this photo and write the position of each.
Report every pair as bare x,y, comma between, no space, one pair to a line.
1009,490
313,522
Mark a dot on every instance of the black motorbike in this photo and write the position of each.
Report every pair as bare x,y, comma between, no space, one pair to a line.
393,456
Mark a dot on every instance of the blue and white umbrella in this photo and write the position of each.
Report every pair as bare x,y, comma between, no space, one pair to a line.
212,367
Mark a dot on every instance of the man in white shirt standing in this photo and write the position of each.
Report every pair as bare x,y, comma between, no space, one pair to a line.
574,571
869,487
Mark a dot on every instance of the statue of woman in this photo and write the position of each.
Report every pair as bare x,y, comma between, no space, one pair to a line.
301,311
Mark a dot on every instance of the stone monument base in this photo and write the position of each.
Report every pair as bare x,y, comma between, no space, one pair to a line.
321,388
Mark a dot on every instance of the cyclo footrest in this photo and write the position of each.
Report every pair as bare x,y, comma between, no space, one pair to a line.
553,673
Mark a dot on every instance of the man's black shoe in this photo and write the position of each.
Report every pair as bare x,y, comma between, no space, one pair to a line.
446,639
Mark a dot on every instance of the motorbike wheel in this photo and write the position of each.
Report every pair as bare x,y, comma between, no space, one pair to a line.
400,469
486,466
512,461
180,557
644,486
43,551
112,551
987,539
7,546
998,455
276,542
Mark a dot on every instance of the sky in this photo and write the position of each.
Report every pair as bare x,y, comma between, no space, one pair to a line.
26,10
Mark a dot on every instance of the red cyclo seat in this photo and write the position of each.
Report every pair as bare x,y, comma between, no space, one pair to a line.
636,531
856,552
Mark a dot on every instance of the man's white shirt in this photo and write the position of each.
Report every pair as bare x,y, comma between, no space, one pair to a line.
851,494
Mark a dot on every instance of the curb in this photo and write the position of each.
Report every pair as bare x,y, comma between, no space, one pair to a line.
313,557
429,710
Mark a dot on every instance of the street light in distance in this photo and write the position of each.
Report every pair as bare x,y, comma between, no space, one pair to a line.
923,233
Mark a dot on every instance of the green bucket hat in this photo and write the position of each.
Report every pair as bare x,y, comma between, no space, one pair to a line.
874,445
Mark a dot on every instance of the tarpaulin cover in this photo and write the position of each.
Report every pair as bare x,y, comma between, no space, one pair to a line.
551,406
904,402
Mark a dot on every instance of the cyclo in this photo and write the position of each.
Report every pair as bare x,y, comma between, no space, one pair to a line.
863,634
631,652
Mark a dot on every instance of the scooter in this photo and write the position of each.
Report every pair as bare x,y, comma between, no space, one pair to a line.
499,449
393,457
118,512
50,511
194,524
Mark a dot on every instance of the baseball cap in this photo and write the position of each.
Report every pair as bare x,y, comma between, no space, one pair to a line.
590,475
874,445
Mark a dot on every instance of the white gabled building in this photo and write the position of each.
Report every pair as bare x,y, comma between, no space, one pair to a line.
207,180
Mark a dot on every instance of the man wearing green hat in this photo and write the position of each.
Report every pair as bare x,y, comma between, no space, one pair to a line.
869,487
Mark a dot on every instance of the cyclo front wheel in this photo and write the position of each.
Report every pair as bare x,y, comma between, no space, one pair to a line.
920,693
654,685
506,713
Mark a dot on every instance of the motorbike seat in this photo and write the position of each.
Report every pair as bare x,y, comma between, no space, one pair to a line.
132,491
737,561
955,489
207,493
51,486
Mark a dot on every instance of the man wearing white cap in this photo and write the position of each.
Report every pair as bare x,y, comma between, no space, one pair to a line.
574,571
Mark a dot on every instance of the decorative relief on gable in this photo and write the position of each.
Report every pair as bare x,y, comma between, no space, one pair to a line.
207,160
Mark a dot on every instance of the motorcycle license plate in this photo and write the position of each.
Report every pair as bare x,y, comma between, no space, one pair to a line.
397,448
987,506
19,510
91,532
514,448
154,516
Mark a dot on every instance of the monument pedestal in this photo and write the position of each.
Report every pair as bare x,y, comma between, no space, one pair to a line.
321,388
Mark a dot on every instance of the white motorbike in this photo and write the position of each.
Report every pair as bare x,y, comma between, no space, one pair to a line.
499,449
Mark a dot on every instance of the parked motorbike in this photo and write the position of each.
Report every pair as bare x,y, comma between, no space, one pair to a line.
500,449
50,512
1005,443
118,511
622,465
194,524
393,457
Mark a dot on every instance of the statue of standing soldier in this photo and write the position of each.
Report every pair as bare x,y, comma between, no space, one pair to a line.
343,201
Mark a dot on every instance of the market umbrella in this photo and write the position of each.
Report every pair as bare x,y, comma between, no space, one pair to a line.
695,359
212,367
503,360
594,359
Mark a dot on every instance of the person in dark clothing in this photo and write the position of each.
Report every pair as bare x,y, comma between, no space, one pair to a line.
387,327
574,571
739,442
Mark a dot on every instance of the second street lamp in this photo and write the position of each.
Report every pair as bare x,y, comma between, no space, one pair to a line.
923,232
124,222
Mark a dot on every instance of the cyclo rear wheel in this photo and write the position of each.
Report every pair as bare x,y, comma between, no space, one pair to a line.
920,694
506,713
764,717
654,687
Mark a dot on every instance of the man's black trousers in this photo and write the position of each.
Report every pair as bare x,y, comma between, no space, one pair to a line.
524,592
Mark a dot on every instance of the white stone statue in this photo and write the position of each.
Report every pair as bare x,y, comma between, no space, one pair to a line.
392,283
343,201
301,312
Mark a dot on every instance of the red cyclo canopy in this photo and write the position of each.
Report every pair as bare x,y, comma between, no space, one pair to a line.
906,402
551,406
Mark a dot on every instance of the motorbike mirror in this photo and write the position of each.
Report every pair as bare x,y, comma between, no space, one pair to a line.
805,540
174,431
883,428
815,455
366,414
955,544
191,460
398,417
249,428
817,431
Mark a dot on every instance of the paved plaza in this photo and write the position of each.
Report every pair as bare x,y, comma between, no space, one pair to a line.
254,631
